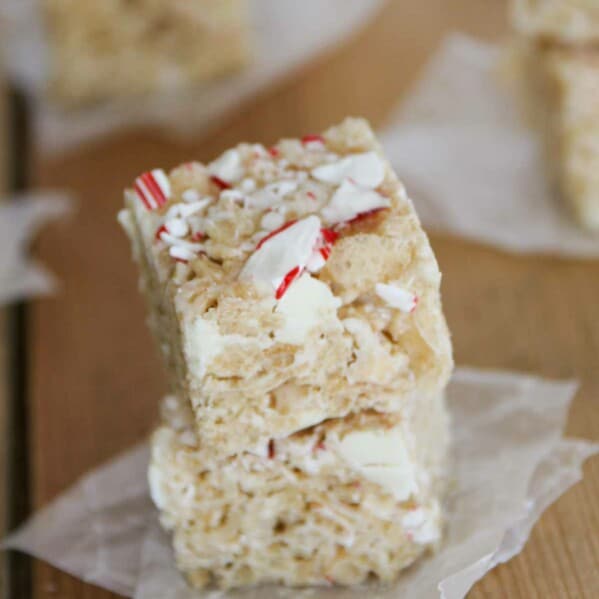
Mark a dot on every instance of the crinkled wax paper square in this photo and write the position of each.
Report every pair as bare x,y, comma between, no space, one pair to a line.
20,219
472,166
286,35
510,463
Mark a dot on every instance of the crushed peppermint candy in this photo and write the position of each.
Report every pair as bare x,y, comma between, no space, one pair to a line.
351,200
228,168
153,189
220,183
282,256
366,170
397,297
313,142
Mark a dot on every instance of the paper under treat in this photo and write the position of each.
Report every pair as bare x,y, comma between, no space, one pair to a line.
113,49
21,217
510,464
288,285
339,503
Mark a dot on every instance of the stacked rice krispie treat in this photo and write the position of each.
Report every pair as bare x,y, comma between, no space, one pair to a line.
558,51
296,301
116,48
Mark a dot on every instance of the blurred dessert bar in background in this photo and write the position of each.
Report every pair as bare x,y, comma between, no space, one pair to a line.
558,50
118,48
338,503
289,285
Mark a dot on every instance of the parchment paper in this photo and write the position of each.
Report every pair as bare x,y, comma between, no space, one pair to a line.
287,34
471,165
510,463
20,219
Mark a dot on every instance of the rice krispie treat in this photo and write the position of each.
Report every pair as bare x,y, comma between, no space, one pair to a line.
560,77
338,503
289,285
114,48
564,20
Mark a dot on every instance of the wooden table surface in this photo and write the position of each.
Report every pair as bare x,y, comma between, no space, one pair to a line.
94,378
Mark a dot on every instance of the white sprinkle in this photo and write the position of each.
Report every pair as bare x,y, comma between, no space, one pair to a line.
190,195
171,240
271,193
231,195
177,227
397,297
365,169
272,220
351,200
248,185
182,253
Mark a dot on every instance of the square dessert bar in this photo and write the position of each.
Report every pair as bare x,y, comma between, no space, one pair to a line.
115,48
565,20
338,503
289,285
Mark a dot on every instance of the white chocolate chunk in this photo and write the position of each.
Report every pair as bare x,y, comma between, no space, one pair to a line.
306,304
397,297
283,252
381,457
351,200
228,167
365,169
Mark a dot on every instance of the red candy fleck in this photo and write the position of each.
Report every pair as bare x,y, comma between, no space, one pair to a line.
329,235
289,278
325,252
275,232
320,446
197,236
220,183
159,231
274,152
312,138
311,195
416,300
271,449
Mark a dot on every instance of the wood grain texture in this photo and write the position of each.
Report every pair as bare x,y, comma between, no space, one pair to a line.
95,378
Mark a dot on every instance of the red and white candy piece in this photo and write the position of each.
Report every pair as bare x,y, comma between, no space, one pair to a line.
153,189
397,297
227,169
282,256
352,200
313,142
366,169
